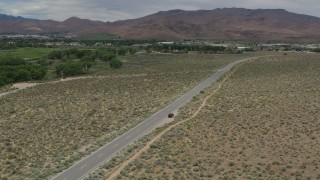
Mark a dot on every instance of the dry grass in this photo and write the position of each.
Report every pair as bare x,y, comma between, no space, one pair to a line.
117,171
6,88
44,129
263,124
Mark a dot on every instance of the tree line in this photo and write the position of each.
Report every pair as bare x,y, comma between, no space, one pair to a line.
66,62
15,69
182,48
77,62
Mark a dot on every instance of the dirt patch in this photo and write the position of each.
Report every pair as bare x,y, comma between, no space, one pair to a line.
5,89
72,78
23,85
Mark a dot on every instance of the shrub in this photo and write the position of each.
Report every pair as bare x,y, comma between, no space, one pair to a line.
115,63
22,75
15,69
107,56
71,68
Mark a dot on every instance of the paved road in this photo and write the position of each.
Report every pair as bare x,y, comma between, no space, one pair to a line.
105,153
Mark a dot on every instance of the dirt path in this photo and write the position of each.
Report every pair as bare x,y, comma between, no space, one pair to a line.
23,85
159,136
19,86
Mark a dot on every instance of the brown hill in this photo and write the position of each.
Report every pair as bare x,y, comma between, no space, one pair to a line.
231,23
227,23
31,26
75,24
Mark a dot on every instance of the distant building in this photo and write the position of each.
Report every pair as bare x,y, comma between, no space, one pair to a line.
77,44
54,44
215,44
244,48
48,44
168,42
141,45
99,44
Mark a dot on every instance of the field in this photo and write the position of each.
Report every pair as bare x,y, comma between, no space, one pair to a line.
29,53
262,124
44,129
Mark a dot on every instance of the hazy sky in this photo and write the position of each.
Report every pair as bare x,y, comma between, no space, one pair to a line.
112,10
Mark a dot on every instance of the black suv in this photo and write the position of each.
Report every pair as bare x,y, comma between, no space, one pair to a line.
170,115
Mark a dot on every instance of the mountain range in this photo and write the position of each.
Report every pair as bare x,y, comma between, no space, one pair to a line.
226,23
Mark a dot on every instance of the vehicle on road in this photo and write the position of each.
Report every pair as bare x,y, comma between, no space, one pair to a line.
170,115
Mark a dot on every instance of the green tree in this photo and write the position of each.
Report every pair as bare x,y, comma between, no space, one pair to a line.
122,51
22,75
55,55
2,80
105,54
133,50
15,69
115,63
38,72
317,50
72,68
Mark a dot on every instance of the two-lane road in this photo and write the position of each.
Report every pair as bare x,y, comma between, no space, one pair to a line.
105,153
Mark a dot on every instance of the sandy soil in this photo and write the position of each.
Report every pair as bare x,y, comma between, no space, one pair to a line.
23,85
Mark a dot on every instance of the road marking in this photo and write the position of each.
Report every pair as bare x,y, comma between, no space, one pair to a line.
100,155
128,137
147,124
115,145
83,166
138,130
